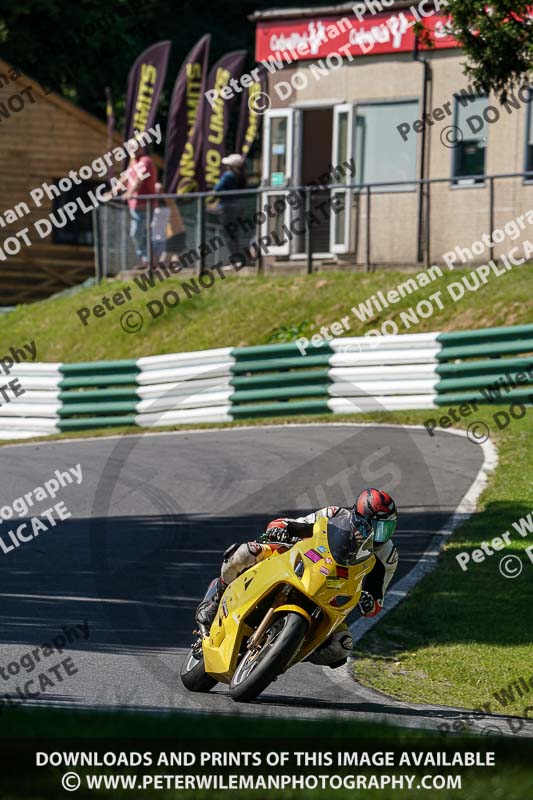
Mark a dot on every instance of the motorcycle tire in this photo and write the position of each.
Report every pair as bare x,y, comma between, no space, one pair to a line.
256,671
193,675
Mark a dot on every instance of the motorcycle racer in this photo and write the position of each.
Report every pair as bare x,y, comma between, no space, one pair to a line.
374,511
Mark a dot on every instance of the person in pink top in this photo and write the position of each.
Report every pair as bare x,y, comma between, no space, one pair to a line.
140,178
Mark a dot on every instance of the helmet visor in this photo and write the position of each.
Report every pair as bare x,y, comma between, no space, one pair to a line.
383,529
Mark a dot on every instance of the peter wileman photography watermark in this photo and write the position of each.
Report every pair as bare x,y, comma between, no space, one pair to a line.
132,320
511,693
19,533
16,354
19,98
510,565
34,662
319,768
455,291
287,51
452,135
478,431
12,245
420,10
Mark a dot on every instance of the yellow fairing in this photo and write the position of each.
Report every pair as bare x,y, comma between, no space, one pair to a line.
248,598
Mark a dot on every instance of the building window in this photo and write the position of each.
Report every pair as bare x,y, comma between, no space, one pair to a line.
382,154
278,151
529,137
78,231
470,140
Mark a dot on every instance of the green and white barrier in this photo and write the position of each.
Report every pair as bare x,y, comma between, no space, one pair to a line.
342,376
473,365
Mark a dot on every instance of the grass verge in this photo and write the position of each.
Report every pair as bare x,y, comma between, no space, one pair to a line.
253,310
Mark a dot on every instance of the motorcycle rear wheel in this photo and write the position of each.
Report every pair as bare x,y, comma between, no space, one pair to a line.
193,674
256,670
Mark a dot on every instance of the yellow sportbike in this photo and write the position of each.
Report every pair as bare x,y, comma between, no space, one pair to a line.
279,611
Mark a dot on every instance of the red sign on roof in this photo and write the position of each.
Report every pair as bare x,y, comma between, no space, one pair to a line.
294,40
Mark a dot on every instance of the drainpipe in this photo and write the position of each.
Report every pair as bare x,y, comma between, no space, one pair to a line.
425,102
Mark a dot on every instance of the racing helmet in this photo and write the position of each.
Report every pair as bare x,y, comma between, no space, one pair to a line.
380,509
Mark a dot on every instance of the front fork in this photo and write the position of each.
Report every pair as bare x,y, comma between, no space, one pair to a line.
279,603
261,629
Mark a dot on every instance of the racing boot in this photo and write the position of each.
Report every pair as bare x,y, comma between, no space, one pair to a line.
207,610
334,652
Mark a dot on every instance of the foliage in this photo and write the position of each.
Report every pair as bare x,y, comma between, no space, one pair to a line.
78,49
288,333
497,40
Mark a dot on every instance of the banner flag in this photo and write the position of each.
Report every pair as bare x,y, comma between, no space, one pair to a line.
200,165
186,98
145,82
216,119
110,117
251,114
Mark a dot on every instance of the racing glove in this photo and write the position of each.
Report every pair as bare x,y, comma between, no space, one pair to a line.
277,531
368,606
275,534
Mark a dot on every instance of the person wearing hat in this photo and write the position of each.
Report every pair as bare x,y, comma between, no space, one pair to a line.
231,206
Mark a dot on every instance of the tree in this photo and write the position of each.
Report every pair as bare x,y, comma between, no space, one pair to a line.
77,49
497,40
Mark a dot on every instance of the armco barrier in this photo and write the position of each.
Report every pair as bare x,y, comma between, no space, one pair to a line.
472,367
342,376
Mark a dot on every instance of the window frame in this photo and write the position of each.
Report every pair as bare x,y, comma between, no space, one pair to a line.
339,109
529,132
408,188
278,191
457,182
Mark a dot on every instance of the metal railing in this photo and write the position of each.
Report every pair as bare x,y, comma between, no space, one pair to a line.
219,226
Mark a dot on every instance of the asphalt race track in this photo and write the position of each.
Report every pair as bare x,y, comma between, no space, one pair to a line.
148,526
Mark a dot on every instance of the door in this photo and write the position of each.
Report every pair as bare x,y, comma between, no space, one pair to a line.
312,153
342,152
278,172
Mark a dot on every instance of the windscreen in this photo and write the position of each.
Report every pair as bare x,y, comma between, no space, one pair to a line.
345,546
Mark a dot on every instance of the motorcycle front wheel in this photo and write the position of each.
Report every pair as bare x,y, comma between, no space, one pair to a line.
259,667
193,674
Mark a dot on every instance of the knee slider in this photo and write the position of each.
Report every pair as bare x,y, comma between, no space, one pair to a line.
230,551
237,558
